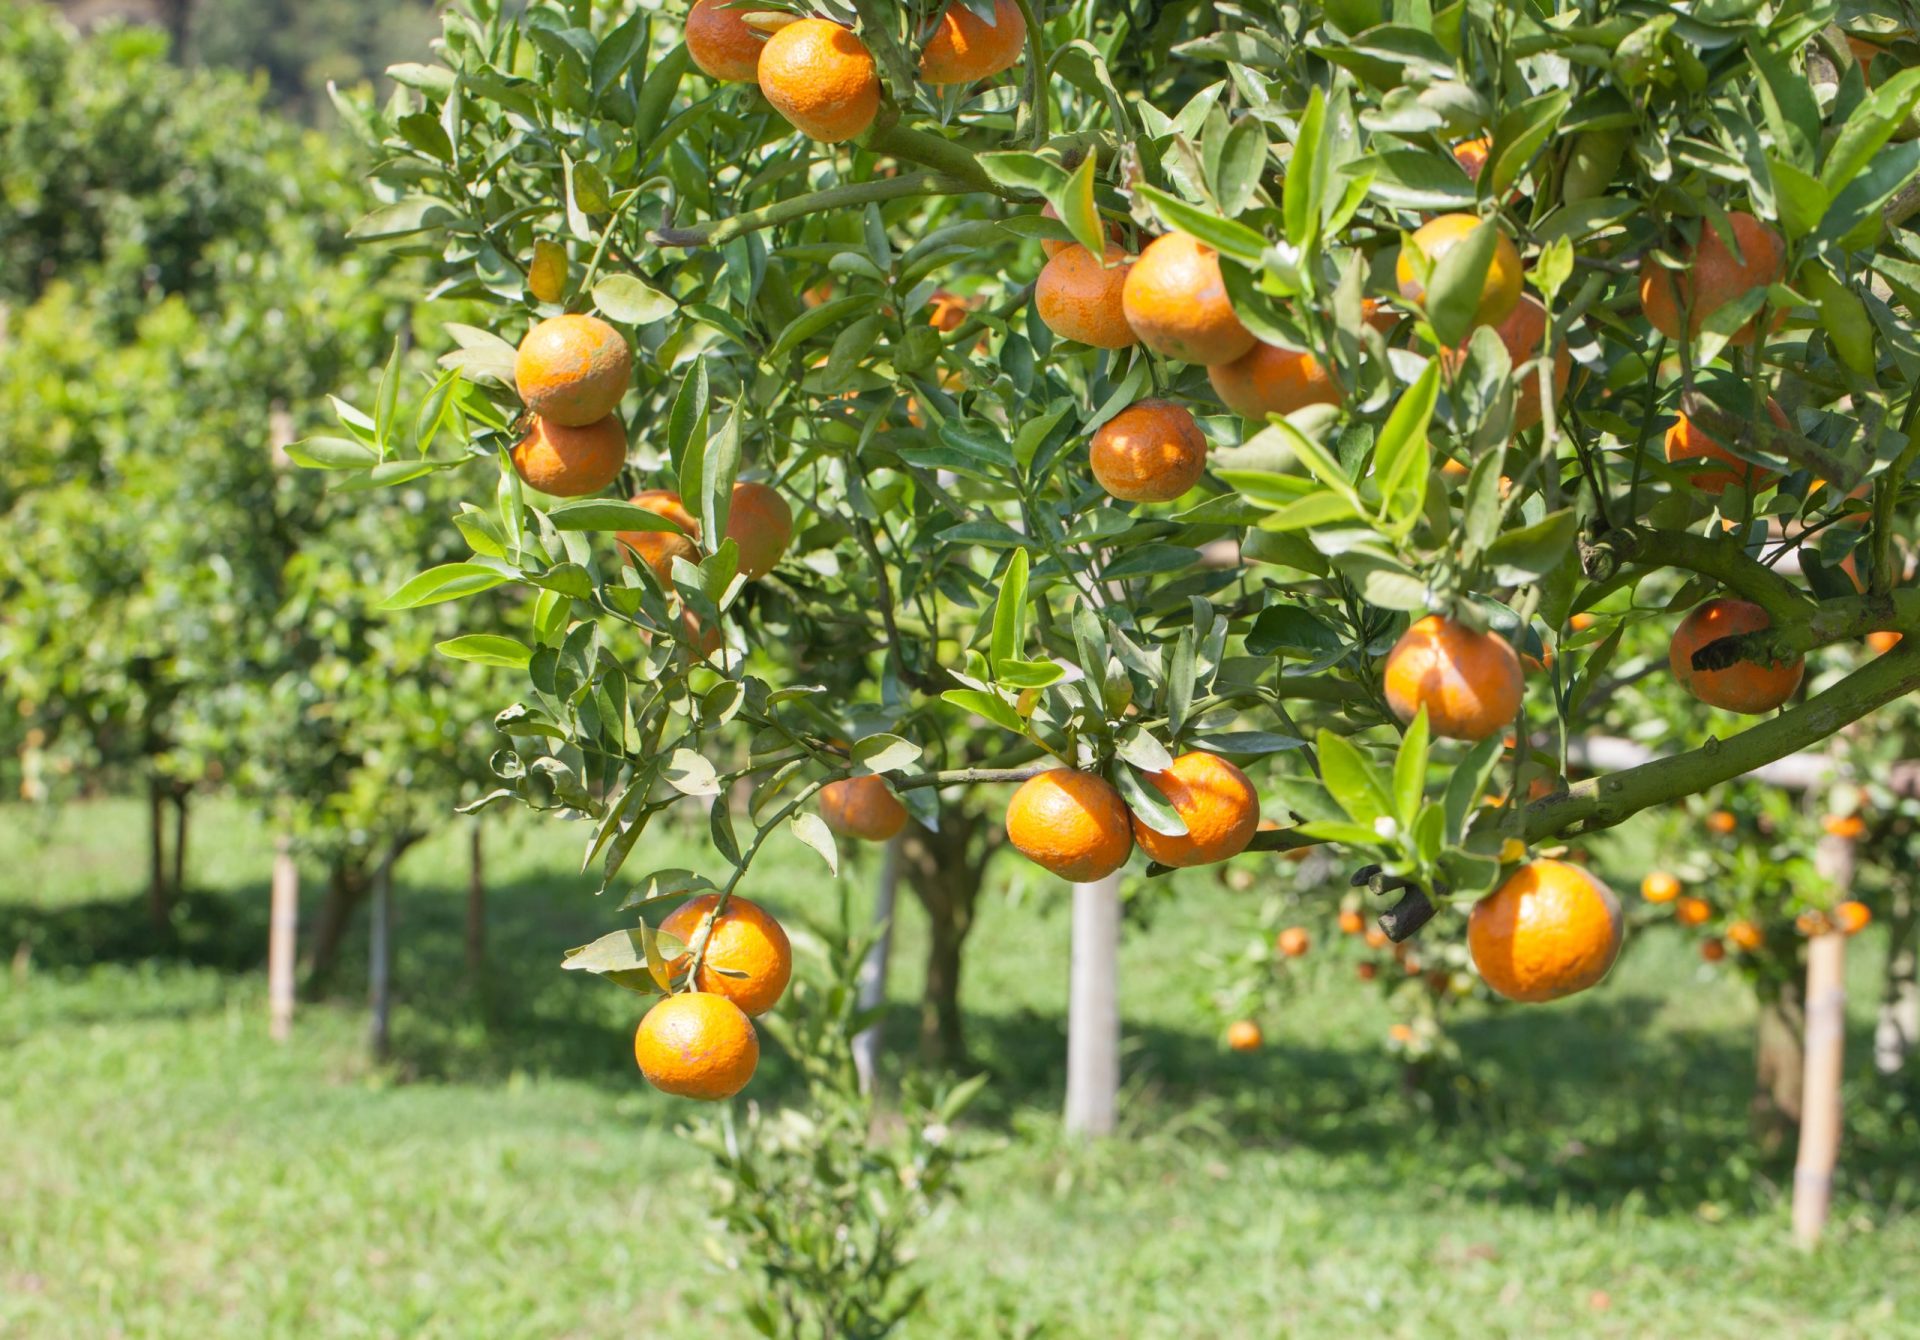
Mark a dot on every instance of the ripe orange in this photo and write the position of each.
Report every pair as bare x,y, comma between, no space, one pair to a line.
1351,922
658,548
965,48
1270,380
1813,921
862,808
1711,277
720,43
1659,887
1472,156
949,310
1852,916
1176,301
1745,686
1436,238
1294,941
1368,971
1745,936
1550,930
821,78
1691,911
1523,332
748,958
1151,451
1053,246
1722,822
1400,1033
761,524
1712,950
1071,823
1581,622
572,370
697,1045
1218,803
1685,442
1470,683
1243,1035
1080,298
1883,641
1375,938
1849,826
571,462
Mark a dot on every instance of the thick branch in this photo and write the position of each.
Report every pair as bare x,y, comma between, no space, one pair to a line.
1736,432
1720,558
716,231
934,151
1602,802
969,776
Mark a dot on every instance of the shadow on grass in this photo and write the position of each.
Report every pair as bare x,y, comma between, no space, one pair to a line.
1581,1104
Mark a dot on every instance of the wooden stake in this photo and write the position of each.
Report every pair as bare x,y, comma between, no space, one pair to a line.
1826,1014
873,972
1093,1010
380,961
283,924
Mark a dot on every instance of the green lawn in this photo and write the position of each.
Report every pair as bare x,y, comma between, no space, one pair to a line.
165,1170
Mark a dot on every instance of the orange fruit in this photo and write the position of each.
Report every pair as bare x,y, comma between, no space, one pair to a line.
949,310
1550,930
760,523
1351,922
1270,380
720,43
572,370
1080,298
1711,277
547,273
1472,156
1687,443
1849,826
1435,238
1863,53
964,47
1401,1033
1745,686
1659,887
1053,246
697,1045
1243,1035
1883,641
1378,315
1523,332
821,78
1721,822
748,958
1712,950
1176,301
1071,823
1368,971
1691,911
1470,683
1813,922
1852,916
1745,936
1375,938
570,462
1293,941
862,808
1151,451
658,548
1218,803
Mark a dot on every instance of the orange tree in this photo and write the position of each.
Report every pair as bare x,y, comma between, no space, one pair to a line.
1295,384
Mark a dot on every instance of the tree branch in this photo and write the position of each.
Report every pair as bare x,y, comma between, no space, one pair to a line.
716,231
937,152
1720,558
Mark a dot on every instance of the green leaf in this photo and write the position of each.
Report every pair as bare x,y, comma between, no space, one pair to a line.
1010,611
607,514
1243,160
811,829
1352,780
810,323
1533,551
1519,136
1306,181
1866,132
1457,281
486,649
884,753
1802,201
1401,458
625,299
988,705
1146,802
449,581
1223,235
1075,207
1467,780
1410,770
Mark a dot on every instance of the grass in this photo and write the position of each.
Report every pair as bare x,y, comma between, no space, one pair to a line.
168,1171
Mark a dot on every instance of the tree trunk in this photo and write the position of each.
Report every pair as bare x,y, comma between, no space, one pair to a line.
873,971
283,921
1093,1010
159,895
346,889
179,841
476,903
1898,1026
944,870
1779,1065
177,16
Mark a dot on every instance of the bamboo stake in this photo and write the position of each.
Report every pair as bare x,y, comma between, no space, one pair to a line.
1826,1015
873,971
283,923
1093,1010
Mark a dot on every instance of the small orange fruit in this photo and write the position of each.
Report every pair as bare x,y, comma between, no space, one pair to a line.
862,808
1522,332
572,370
965,48
1813,921
748,958
1470,683
1550,930
760,523
1581,622
1722,823
1293,941
1270,380
1071,823
1151,451
1079,297
1368,971
1745,936
1712,950
1685,442
1659,887
1351,922
1849,826
1472,156
1691,911
697,1045
1218,803
1711,277
571,462
1243,1035
1852,916
720,42
950,311
1176,301
1435,238
821,78
1400,1033
658,548
1375,938
1747,687
1883,641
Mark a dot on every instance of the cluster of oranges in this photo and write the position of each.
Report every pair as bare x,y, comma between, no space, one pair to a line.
1743,933
700,1042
